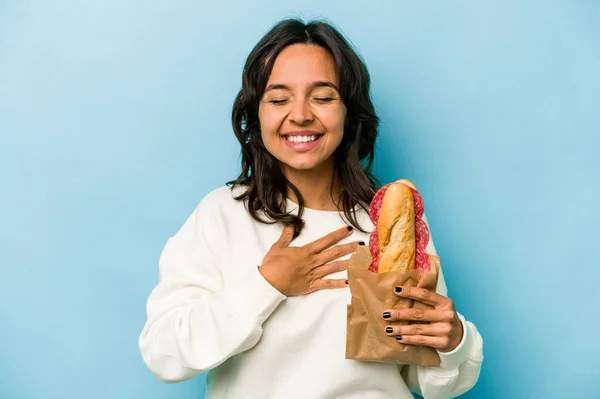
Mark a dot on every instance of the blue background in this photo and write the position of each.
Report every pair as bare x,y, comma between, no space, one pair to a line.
114,123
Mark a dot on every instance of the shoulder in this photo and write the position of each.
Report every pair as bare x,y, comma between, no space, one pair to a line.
214,211
217,194
221,201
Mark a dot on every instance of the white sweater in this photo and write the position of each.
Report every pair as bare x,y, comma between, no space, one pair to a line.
212,311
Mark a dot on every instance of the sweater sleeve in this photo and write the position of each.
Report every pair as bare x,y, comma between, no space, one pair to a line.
195,322
459,369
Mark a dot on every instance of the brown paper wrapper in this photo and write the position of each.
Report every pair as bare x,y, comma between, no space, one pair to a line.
372,293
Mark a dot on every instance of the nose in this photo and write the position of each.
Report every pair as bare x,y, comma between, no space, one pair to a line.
301,112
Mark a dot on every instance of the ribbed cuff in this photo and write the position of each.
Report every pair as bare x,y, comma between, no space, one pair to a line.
464,350
257,298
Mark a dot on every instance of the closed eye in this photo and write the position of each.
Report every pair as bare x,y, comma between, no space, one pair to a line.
277,102
324,99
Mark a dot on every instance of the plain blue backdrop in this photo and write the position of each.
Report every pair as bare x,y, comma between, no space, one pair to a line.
115,122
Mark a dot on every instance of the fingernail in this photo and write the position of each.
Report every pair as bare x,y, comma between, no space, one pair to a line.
387,315
398,289
361,243
398,337
389,330
350,228
346,281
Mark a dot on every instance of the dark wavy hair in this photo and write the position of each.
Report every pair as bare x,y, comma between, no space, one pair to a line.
265,184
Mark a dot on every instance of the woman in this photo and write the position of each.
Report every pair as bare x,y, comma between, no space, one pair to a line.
262,307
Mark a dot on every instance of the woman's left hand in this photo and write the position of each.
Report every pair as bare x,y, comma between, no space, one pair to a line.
444,330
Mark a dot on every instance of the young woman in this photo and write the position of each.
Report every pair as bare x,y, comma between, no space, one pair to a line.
253,287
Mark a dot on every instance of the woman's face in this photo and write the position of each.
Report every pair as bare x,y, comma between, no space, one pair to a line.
301,113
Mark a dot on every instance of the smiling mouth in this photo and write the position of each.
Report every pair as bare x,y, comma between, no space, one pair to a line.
302,139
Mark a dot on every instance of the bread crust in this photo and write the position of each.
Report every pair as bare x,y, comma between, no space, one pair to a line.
396,227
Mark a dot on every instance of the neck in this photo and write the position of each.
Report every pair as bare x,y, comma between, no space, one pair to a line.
316,188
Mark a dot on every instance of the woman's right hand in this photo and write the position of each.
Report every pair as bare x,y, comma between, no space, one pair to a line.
300,270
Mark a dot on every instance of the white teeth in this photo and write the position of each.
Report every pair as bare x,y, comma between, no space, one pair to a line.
301,139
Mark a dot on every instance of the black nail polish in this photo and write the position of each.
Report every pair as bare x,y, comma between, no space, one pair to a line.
389,330
350,228
346,281
398,337
398,289
361,243
387,315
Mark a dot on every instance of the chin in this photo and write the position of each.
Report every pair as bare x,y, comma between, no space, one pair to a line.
301,166
305,165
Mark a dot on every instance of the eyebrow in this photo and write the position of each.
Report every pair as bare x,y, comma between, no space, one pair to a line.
319,83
